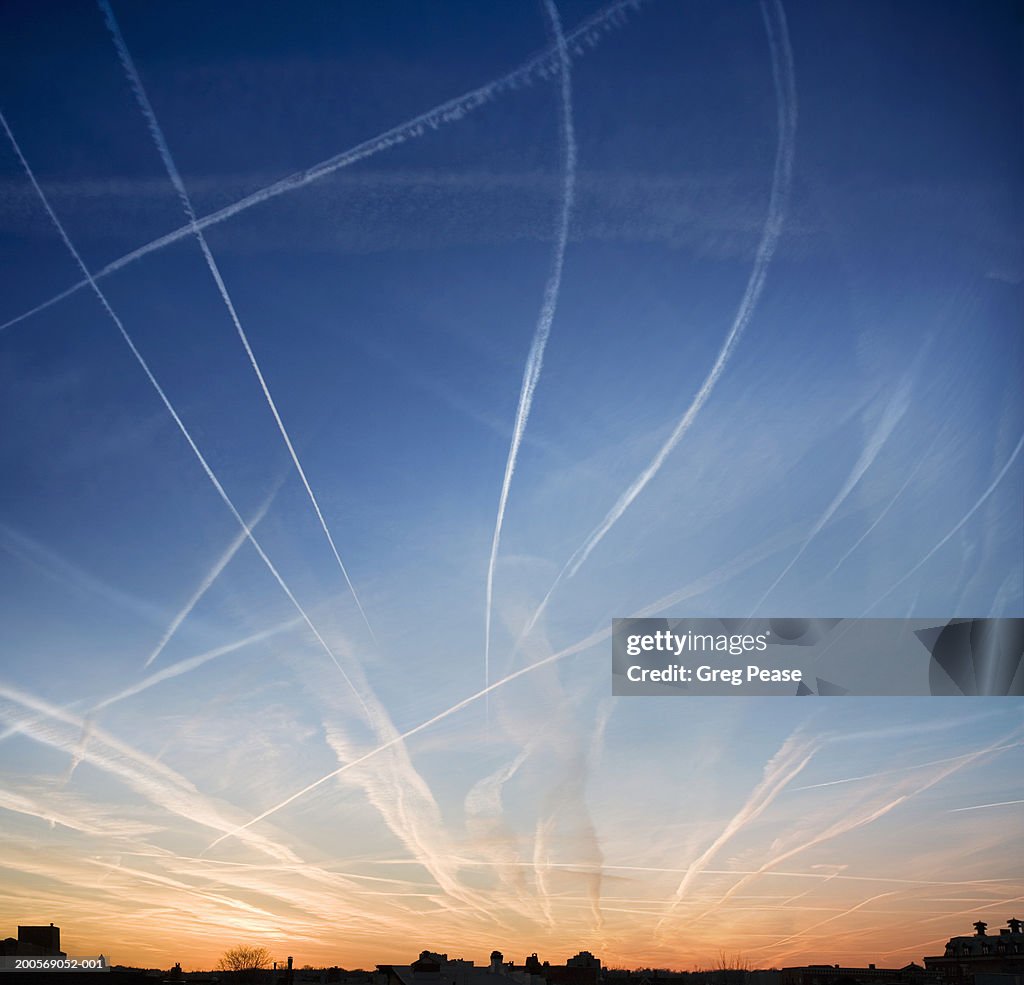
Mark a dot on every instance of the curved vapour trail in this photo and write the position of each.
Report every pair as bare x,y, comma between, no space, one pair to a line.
186,202
785,95
535,359
586,34
170,407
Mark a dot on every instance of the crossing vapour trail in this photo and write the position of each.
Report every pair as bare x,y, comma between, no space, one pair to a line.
170,408
191,663
535,359
952,533
208,579
156,782
795,753
851,821
174,670
179,186
892,502
776,873
891,416
586,34
593,639
785,96
828,920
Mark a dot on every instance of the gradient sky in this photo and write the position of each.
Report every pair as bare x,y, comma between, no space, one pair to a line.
812,212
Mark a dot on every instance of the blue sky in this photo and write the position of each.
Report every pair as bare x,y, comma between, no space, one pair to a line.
779,370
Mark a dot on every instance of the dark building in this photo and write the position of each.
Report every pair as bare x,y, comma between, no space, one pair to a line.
981,955
437,969
833,974
36,942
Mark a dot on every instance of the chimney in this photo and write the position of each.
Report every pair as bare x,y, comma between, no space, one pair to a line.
496,959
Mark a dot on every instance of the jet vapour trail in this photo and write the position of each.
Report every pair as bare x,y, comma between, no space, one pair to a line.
952,533
779,874
179,186
891,416
892,502
191,663
535,359
208,579
852,823
794,755
593,639
156,782
170,408
942,543
785,95
979,807
174,670
587,33
904,769
828,920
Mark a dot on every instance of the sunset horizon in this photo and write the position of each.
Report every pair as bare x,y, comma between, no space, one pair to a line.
327,956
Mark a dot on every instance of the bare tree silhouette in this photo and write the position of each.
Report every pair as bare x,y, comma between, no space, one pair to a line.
244,961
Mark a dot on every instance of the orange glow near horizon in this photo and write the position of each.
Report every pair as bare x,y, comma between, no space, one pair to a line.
872,939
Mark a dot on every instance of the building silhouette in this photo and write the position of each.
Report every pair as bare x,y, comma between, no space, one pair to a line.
974,959
834,974
35,942
432,968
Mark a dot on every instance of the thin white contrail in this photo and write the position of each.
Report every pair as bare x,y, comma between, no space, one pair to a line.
208,579
891,416
179,185
952,533
191,663
831,919
170,407
926,457
535,359
587,33
174,670
785,95
791,759
981,807
903,769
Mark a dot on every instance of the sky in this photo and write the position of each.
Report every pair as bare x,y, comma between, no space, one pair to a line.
360,362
